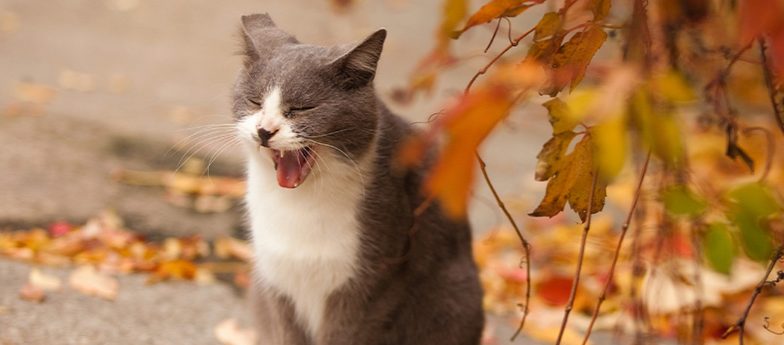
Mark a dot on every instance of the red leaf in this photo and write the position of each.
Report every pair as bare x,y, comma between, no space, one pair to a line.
555,290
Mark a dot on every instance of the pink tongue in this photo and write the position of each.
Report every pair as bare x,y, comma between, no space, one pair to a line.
291,169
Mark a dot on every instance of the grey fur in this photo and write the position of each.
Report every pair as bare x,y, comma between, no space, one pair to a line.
412,289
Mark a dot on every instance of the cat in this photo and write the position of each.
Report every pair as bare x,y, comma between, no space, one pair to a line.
330,218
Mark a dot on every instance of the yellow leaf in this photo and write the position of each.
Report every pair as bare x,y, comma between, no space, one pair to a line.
453,13
672,87
549,159
660,131
560,116
609,139
572,182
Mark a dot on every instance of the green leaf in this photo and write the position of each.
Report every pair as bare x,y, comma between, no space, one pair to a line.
719,247
752,203
680,201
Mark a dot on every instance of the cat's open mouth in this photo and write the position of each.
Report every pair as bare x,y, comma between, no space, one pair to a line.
293,166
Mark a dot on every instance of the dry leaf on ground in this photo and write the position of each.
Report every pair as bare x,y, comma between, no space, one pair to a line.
91,282
229,332
32,293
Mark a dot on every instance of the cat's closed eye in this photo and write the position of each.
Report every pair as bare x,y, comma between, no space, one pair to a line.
293,110
254,102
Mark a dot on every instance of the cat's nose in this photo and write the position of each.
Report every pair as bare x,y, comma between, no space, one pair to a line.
265,135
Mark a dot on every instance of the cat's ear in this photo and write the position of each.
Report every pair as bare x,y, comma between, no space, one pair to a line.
262,37
358,66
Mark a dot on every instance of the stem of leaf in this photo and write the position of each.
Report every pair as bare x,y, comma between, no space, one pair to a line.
580,257
523,241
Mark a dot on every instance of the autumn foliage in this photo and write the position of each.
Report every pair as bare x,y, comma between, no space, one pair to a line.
689,93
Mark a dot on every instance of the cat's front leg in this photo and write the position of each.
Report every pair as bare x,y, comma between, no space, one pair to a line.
275,319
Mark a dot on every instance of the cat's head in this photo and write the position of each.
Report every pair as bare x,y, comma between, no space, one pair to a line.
297,103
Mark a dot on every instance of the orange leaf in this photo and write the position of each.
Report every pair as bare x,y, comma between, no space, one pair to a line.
466,125
574,56
496,9
759,17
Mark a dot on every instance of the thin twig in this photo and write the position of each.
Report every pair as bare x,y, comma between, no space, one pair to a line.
509,31
740,325
525,243
698,324
624,229
581,255
496,58
778,113
495,32
771,149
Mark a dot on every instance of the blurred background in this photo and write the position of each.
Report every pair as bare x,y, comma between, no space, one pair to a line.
96,93
88,87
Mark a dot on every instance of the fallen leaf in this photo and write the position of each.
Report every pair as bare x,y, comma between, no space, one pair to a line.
43,281
34,93
32,293
174,269
229,332
9,21
230,247
88,281
76,81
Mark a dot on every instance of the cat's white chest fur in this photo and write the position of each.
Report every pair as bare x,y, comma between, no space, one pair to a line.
306,239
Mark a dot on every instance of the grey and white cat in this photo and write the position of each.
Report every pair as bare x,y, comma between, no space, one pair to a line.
335,263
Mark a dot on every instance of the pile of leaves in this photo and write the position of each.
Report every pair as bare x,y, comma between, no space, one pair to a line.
102,248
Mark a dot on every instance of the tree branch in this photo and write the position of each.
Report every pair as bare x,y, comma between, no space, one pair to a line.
581,255
498,56
523,241
740,325
778,113
624,229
